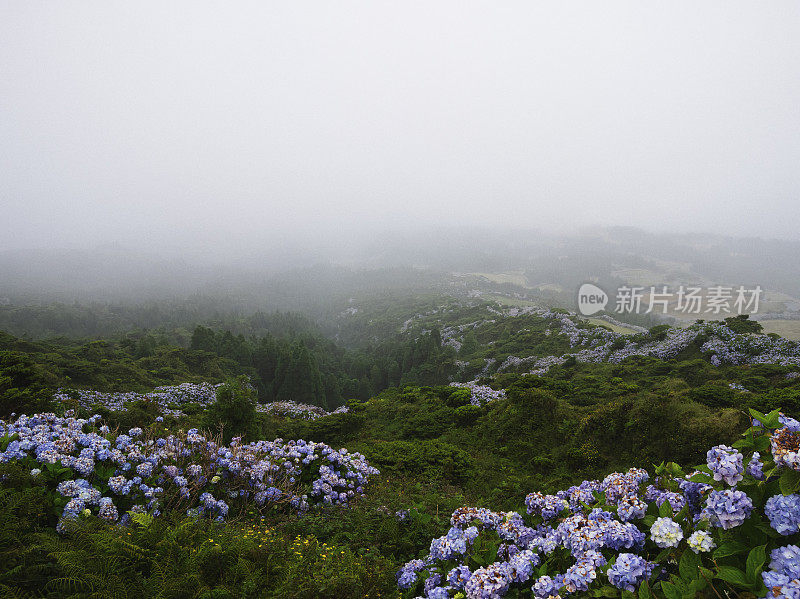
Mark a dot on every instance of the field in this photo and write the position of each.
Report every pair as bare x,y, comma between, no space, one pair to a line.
614,327
790,329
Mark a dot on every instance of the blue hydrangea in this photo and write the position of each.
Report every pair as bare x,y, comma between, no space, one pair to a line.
727,509
489,582
782,579
628,571
546,587
458,577
546,506
693,492
785,447
579,576
631,508
522,564
408,574
755,467
726,463
784,513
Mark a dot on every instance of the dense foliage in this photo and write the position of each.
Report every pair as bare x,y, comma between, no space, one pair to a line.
441,401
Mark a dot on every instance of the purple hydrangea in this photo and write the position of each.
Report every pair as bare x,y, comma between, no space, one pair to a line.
628,571
546,587
755,467
782,578
784,513
489,582
727,509
726,463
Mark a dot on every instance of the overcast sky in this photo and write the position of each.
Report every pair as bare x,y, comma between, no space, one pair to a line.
238,123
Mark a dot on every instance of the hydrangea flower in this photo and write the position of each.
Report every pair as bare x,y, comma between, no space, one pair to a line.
579,576
755,467
458,577
247,472
628,571
546,506
725,463
784,513
783,578
700,541
489,582
727,509
785,447
665,532
546,587
631,508
407,575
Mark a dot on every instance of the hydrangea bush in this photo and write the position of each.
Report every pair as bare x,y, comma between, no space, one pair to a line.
91,470
722,530
295,410
169,398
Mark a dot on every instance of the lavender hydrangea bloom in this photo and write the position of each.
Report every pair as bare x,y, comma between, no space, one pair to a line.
628,571
783,578
546,587
755,467
631,508
727,509
489,582
790,423
579,576
726,463
458,577
407,575
784,513
546,506
522,564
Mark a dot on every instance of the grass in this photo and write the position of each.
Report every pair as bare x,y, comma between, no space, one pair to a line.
790,329
513,277
614,327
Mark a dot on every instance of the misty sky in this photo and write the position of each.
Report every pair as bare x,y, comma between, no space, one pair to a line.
234,124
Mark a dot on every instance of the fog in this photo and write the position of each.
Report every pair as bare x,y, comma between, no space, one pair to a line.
243,128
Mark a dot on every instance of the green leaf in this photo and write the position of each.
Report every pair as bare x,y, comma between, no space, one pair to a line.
663,555
681,515
755,561
733,576
730,548
644,591
761,444
689,565
743,444
789,481
665,510
701,477
670,590
143,520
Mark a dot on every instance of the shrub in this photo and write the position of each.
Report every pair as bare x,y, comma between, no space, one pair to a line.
234,412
